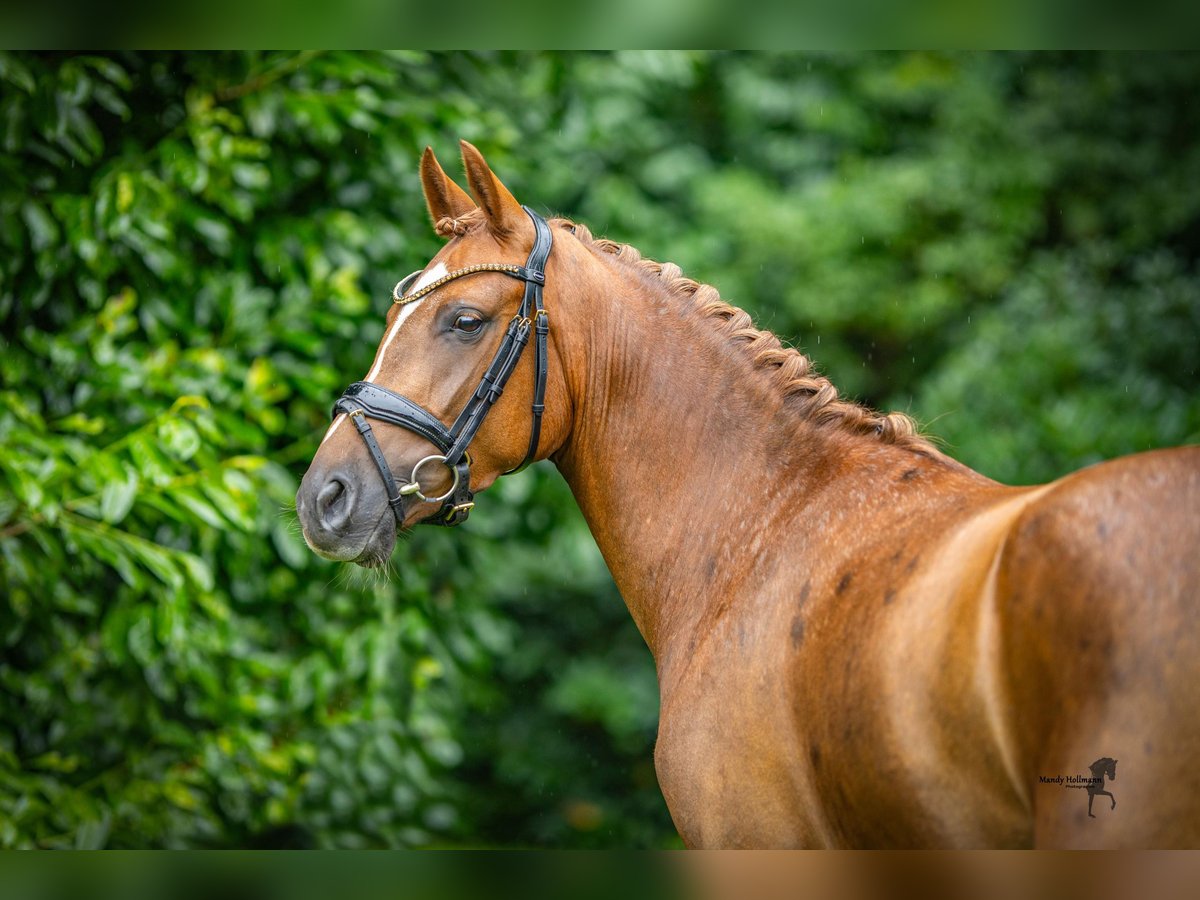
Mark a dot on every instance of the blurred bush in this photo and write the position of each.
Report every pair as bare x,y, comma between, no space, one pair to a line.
195,255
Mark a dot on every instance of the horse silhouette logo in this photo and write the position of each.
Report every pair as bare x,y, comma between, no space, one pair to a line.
1100,768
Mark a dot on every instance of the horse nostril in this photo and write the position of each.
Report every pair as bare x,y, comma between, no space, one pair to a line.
334,503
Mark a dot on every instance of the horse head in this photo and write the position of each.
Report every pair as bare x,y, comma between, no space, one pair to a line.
437,372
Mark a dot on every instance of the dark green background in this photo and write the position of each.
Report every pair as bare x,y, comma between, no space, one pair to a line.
196,253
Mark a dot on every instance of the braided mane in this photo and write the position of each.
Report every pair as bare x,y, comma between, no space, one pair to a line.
791,371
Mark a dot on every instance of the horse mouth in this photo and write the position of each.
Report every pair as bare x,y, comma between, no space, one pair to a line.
380,543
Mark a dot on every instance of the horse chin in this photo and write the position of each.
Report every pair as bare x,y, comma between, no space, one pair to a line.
380,544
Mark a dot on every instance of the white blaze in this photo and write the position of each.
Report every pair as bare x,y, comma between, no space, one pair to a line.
405,311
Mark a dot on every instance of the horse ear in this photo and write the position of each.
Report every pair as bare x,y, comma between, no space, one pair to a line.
504,213
443,197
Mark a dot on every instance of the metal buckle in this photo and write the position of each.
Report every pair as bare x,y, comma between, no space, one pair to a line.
414,486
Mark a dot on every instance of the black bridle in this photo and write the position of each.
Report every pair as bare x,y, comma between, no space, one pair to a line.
363,400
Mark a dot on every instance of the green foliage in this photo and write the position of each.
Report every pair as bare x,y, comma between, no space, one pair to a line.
195,254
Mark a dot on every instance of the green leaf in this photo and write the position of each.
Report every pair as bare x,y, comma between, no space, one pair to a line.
194,503
109,69
197,570
158,560
12,71
234,510
118,496
289,545
179,437
111,101
81,424
93,834
43,230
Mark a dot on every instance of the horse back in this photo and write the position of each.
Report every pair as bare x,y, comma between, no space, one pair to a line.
1099,594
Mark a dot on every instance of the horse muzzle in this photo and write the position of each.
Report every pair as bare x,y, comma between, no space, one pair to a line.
345,516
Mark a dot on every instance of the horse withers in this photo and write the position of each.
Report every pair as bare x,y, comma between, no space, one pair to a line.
859,641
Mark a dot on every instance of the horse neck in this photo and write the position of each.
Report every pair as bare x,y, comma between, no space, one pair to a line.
679,452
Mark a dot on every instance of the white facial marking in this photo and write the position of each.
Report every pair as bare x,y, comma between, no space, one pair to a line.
407,310
334,427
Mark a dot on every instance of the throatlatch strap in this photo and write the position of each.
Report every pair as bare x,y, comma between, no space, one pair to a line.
542,327
531,307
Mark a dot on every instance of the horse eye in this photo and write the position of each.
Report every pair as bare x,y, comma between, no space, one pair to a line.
468,323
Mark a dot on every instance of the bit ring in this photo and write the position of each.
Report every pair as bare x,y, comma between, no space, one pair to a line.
414,487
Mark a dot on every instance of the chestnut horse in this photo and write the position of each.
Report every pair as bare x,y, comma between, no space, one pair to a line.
859,641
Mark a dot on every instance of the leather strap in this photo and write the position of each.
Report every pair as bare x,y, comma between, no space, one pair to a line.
542,351
388,406
458,505
364,429
532,308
